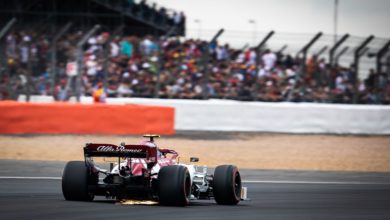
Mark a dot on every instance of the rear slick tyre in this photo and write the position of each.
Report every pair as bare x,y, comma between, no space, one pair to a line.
75,180
174,186
227,185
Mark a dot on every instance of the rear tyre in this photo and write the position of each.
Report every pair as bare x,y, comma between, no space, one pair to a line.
227,185
174,186
75,180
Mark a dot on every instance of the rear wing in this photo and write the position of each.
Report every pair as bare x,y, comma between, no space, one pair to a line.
131,151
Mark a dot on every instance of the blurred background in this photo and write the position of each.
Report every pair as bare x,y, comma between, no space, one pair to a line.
296,51
295,93
209,74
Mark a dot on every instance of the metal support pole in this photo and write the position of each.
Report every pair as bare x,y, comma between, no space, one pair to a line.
29,73
206,58
336,6
259,47
320,52
264,41
335,46
159,68
357,55
364,51
388,66
54,55
161,62
380,55
170,32
342,52
245,47
79,59
117,30
282,49
306,48
310,43
7,27
217,35
3,55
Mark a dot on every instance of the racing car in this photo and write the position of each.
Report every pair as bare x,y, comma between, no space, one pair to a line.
144,171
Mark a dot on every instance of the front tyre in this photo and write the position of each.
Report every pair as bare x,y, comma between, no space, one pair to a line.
75,180
174,186
227,185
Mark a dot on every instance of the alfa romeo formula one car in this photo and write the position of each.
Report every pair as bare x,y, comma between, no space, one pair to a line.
144,171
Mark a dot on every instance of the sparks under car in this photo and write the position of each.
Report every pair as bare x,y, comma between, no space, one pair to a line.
144,171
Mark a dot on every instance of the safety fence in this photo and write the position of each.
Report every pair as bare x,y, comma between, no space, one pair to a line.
292,43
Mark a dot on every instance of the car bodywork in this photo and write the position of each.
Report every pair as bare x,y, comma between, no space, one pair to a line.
144,171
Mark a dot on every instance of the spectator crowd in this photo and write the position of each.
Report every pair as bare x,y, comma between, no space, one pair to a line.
150,66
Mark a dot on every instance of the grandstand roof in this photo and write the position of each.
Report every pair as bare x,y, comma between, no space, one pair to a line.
86,13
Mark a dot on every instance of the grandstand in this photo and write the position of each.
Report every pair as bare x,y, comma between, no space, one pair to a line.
139,18
68,49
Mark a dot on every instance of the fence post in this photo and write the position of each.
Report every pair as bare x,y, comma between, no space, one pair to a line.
206,58
357,55
7,27
283,48
364,51
264,41
388,66
3,55
258,53
29,72
54,54
320,52
79,59
161,61
159,68
334,48
245,47
306,48
107,51
381,53
341,53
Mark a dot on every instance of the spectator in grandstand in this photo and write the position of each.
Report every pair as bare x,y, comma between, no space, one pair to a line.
25,51
222,52
144,7
148,46
99,95
269,59
114,48
126,47
137,63
11,46
61,92
177,18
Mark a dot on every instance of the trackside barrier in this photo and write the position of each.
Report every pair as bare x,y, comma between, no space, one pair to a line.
68,118
226,115
223,115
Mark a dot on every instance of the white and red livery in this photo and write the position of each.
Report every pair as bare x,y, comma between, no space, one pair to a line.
144,171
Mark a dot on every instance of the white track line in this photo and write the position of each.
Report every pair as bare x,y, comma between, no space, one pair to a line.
244,181
314,182
29,178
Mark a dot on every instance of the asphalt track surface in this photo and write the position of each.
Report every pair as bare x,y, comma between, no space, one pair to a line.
28,191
